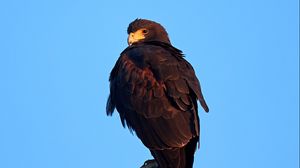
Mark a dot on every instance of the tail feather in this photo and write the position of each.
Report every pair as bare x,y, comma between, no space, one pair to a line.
177,157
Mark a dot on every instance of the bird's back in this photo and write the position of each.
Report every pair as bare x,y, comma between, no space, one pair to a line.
155,91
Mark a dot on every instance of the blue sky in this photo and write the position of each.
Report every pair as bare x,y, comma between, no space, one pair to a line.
55,59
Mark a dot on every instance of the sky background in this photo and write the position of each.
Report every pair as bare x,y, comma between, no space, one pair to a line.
56,56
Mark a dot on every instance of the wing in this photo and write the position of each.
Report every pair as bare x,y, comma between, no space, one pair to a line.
155,92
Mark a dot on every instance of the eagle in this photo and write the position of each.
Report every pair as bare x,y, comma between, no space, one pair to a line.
155,91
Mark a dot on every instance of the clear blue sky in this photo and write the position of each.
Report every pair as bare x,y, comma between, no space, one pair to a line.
55,59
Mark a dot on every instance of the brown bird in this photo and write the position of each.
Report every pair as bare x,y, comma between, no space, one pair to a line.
155,90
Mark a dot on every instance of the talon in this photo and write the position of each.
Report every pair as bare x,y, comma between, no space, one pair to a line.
150,164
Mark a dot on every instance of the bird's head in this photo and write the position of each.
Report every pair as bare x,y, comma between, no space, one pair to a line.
142,30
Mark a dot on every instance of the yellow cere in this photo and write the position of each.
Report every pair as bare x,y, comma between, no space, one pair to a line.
136,36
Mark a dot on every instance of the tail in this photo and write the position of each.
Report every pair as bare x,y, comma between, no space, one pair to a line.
177,157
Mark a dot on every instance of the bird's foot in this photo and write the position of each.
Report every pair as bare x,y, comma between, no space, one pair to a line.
150,164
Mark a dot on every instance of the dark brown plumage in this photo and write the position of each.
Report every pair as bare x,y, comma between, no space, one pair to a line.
155,90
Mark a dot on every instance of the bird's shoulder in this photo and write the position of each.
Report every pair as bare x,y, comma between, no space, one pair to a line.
152,53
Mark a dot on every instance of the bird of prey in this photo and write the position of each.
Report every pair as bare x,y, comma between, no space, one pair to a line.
155,91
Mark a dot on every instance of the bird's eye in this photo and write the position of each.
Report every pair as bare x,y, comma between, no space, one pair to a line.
145,31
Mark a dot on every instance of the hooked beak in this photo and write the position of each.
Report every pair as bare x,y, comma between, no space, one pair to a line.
135,37
131,39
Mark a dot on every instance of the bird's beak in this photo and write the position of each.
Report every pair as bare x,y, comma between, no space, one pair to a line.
135,37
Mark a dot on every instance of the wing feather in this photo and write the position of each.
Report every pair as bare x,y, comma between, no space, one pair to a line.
154,90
